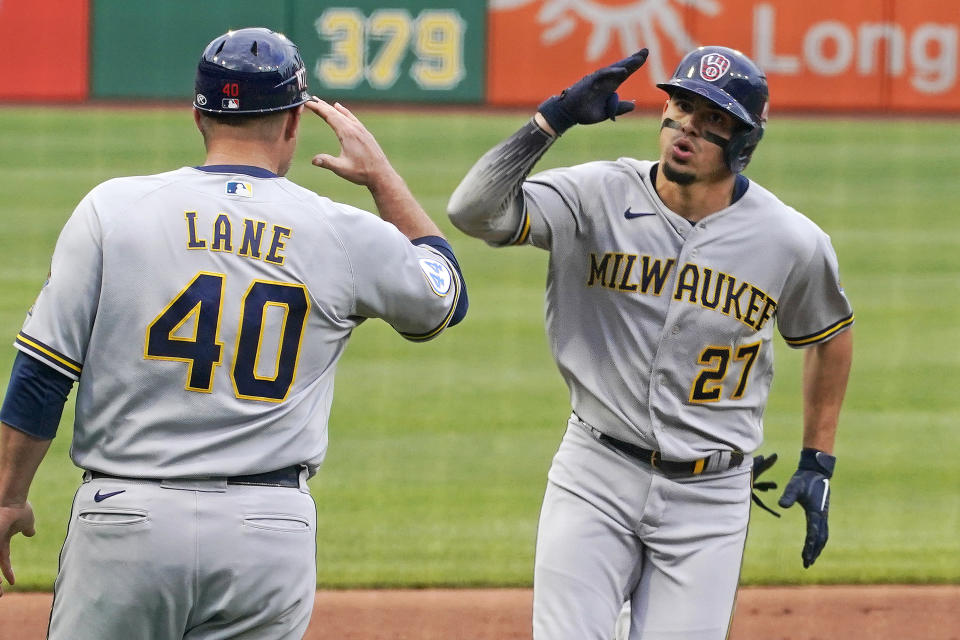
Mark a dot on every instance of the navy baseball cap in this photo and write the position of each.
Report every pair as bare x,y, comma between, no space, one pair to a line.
252,70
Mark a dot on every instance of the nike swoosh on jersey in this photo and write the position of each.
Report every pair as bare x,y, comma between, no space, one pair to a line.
100,497
630,215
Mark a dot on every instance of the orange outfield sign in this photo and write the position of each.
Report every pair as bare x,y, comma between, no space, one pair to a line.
45,46
889,55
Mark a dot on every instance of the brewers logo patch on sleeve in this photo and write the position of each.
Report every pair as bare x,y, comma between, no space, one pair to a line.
437,274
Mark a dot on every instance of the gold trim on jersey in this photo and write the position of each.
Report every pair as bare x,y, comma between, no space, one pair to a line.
275,369
277,244
821,335
716,362
694,283
222,240
708,385
251,241
283,332
652,272
248,243
423,337
194,242
748,353
192,314
35,346
524,233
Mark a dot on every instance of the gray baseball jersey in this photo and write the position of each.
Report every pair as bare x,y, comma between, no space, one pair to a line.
662,329
203,313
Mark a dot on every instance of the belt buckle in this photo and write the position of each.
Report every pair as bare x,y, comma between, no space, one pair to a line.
655,459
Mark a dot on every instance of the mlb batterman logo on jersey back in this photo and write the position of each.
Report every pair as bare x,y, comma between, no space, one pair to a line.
713,66
437,274
235,188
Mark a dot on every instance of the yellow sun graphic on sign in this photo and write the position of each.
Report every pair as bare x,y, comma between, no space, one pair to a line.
633,23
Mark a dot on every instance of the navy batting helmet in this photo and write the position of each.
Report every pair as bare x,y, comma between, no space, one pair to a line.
250,71
734,83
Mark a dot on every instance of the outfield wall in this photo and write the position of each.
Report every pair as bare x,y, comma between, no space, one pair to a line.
882,55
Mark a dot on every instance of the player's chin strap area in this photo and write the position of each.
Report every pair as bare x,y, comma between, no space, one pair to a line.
706,135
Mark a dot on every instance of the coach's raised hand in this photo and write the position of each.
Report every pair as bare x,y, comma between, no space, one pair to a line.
361,159
593,98
363,162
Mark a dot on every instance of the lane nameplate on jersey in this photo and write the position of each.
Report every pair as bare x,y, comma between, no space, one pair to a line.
244,189
438,275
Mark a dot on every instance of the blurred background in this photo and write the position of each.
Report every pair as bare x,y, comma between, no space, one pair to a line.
439,452
881,56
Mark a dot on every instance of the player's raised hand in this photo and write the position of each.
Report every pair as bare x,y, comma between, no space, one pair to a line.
361,159
593,98
13,520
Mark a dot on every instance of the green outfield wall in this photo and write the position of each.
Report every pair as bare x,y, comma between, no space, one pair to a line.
894,56
405,50
150,49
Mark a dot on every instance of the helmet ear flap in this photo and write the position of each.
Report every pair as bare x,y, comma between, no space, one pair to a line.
741,147
734,83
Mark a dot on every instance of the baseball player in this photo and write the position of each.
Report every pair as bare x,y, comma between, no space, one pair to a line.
203,312
664,285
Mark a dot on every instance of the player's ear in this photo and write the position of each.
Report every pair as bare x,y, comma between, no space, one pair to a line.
202,124
292,123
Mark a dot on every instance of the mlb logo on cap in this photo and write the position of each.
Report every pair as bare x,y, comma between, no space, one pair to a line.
231,103
713,66
244,189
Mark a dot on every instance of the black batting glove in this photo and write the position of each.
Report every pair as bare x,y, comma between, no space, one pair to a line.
810,486
593,98
761,464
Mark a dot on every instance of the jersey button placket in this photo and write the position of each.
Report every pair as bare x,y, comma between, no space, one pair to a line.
701,226
658,378
673,329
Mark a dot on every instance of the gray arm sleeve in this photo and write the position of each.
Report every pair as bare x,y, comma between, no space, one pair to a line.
488,202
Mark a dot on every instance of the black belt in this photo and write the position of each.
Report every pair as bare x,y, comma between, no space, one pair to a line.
288,477
670,467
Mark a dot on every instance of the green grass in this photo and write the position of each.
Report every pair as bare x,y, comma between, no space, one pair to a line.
438,452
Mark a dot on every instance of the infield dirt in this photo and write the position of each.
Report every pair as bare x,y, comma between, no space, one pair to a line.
889,612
